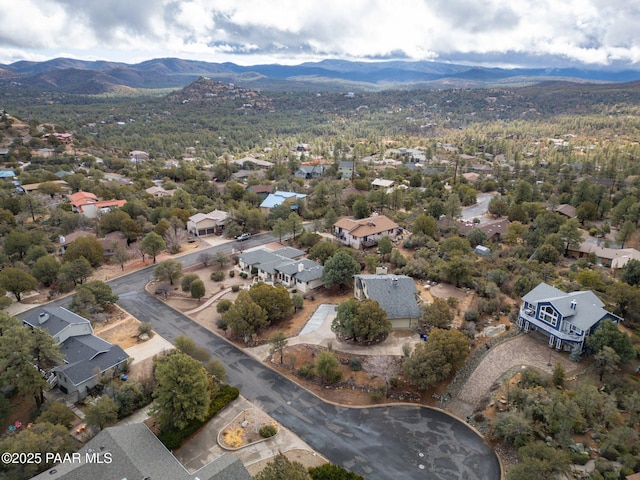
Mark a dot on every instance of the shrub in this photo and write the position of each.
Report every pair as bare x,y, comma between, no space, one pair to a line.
355,364
144,328
217,276
187,280
471,315
268,431
235,288
307,371
223,305
172,439
221,324
578,458
331,471
232,273
243,274
375,395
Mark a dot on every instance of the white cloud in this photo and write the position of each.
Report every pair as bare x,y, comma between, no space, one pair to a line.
586,31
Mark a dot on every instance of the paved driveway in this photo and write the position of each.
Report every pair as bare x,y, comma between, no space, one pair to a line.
524,350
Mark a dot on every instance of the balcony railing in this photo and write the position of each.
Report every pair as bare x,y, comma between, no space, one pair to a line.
572,337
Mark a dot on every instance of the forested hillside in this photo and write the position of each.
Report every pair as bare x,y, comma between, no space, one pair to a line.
561,162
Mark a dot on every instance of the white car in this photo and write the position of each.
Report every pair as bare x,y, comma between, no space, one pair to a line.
243,237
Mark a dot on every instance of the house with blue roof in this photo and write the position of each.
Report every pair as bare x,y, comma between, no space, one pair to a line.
87,357
280,198
7,174
567,319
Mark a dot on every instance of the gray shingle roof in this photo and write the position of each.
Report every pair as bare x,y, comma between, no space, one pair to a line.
283,261
289,252
136,453
58,319
310,274
588,307
396,294
84,353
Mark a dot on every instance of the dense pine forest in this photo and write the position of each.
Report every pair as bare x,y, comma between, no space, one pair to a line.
536,148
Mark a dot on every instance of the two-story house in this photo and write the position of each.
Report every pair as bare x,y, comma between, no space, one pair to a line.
212,223
365,232
86,356
566,318
87,204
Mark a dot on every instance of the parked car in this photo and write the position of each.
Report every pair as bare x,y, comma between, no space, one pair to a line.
243,237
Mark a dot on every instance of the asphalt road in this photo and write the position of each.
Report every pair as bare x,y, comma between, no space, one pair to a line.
388,442
479,209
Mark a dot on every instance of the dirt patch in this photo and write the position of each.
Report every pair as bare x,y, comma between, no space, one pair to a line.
121,329
358,387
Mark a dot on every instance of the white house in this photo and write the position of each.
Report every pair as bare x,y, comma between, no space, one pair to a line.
211,223
365,232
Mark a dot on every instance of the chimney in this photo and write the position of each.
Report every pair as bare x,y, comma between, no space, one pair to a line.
300,267
394,281
573,304
381,270
43,317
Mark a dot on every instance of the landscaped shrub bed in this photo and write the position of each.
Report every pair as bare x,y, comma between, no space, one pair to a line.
173,439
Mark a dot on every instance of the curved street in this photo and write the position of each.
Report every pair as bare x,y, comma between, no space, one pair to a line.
392,442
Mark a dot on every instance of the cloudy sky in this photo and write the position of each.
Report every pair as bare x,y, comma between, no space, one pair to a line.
553,33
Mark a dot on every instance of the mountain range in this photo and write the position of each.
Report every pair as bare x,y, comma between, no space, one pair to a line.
95,77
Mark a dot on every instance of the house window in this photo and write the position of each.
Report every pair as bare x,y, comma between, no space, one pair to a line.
549,315
576,330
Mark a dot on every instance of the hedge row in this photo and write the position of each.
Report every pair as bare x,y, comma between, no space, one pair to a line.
173,439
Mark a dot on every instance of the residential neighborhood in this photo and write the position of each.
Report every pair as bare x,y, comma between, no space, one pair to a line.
220,302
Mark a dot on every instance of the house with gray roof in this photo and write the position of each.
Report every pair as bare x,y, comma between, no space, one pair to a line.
134,452
87,357
345,169
285,266
309,171
567,319
396,294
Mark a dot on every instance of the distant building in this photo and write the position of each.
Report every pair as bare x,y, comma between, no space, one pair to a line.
566,210
87,204
308,172
280,198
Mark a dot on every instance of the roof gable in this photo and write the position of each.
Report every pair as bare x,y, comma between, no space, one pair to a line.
55,319
367,226
582,309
